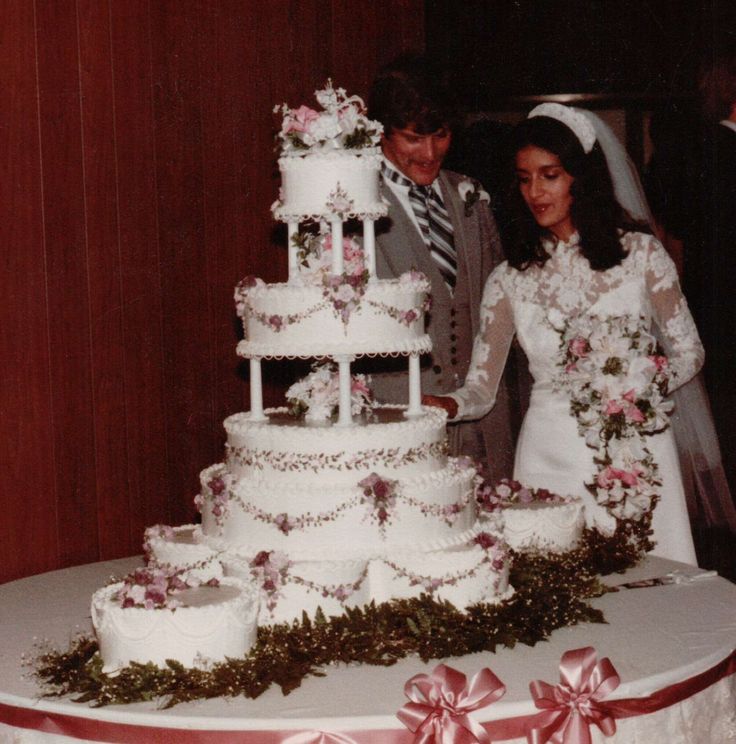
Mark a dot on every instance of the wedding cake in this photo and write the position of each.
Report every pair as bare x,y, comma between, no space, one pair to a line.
350,501
334,500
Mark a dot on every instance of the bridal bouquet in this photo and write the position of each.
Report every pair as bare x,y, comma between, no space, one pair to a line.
617,379
317,396
342,124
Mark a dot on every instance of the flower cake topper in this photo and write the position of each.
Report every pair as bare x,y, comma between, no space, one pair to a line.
317,396
342,124
154,588
314,255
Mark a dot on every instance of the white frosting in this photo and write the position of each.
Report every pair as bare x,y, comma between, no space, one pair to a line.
182,551
309,183
337,519
288,450
544,526
216,622
309,326
463,576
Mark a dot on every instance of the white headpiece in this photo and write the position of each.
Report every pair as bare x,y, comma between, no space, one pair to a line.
571,118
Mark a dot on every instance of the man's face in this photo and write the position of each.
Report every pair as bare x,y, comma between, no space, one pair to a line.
418,156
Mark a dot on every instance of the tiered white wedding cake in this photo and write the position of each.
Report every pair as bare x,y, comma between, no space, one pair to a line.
349,501
352,502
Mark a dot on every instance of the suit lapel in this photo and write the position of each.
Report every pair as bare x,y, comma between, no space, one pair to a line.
468,251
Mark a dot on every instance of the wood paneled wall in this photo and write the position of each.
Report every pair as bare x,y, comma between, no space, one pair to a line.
137,174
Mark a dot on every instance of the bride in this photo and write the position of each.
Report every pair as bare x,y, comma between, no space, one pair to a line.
583,289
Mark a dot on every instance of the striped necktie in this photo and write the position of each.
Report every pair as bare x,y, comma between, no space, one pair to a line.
436,228
434,223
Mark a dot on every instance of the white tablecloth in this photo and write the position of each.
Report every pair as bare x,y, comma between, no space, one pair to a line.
655,637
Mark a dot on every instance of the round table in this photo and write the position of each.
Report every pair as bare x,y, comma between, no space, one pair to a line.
679,636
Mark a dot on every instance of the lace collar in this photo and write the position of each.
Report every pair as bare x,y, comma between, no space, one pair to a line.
552,244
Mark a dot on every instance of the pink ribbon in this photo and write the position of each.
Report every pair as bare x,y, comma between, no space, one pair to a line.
440,704
569,708
318,737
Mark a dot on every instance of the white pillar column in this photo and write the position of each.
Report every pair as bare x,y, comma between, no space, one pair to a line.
337,254
292,229
415,387
369,248
256,392
345,417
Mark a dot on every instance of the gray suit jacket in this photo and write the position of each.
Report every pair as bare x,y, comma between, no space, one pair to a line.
453,321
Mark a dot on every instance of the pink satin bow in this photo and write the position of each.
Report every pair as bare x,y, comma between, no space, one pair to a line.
569,708
440,704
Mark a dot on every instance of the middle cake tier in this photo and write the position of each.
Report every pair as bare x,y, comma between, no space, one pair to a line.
341,317
288,450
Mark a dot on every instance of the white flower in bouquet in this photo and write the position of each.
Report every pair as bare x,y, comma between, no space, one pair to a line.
605,345
556,319
640,374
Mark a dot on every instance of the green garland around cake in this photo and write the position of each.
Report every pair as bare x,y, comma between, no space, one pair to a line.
551,592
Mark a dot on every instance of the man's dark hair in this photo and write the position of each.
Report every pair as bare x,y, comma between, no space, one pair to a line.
412,89
595,212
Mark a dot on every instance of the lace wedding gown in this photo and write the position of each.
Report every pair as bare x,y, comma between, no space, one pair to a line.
551,453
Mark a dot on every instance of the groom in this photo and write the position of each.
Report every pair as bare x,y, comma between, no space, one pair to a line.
439,223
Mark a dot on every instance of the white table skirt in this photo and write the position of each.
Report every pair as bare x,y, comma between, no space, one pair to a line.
655,637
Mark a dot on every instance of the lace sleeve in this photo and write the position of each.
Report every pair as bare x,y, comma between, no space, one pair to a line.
672,315
490,349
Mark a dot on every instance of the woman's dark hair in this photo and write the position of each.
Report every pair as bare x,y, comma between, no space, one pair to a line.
595,212
413,89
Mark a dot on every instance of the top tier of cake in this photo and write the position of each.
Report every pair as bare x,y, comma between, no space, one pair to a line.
329,161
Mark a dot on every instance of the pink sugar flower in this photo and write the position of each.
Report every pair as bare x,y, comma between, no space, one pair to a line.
485,540
343,592
300,120
276,321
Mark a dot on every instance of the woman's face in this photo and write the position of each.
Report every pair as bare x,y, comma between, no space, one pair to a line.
545,186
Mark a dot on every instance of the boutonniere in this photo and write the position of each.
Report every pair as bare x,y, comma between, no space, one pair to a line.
472,192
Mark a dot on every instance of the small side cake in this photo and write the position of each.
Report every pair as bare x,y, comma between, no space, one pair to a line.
533,519
152,617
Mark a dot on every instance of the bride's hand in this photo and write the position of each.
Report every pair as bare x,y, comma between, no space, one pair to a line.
441,401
